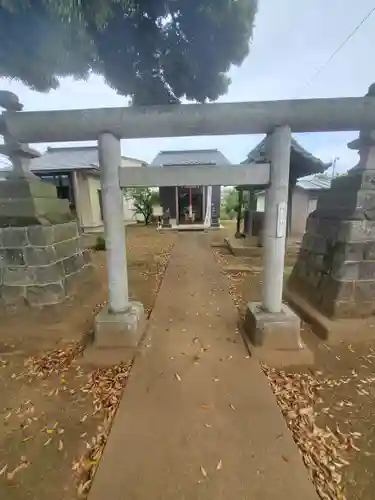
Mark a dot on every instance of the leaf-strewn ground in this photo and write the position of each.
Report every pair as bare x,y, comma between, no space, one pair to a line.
328,407
55,414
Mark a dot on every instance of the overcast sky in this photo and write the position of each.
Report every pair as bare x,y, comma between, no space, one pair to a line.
292,38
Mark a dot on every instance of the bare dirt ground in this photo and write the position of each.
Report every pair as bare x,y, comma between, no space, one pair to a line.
54,414
328,407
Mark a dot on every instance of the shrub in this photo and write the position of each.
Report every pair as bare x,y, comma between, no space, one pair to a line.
100,243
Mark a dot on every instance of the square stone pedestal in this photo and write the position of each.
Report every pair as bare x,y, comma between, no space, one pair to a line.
121,329
116,336
275,338
244,247
273,330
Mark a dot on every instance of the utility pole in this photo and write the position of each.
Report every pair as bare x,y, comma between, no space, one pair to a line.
334,161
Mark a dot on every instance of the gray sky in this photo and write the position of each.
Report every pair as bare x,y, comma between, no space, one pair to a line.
292,38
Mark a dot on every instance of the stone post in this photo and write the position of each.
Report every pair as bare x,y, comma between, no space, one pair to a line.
215,221
239,214
292,185
251,239
251,209
275,221
120,323
271,323
166,219
113,214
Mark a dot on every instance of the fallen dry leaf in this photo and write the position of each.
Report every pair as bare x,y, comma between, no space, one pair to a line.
219,465
3,469
105,385
232,407
53,361
60,446
203,471
177,377
23,465
323,451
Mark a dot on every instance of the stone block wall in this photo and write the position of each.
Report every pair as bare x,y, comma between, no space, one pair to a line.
335,270
39,264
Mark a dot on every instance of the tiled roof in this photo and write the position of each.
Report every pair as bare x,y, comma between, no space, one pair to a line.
316,182
57,159
189,157
67,159
309,163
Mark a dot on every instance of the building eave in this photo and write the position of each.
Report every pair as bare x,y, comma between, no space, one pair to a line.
302,162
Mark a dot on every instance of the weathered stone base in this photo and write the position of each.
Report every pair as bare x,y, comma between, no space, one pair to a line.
121,329
335,269
40,264
241,248
272,330
275,339
26,202
117,337
333,331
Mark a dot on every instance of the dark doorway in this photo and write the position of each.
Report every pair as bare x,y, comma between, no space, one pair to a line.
100,203
190,195
64,186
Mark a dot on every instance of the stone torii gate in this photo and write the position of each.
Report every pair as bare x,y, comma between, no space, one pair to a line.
269,323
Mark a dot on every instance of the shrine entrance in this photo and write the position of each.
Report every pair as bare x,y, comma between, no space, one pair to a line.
120,322
190,204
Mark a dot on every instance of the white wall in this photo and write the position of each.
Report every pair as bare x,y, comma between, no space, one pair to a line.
261,202
88,203
129,214
87,197
129,210
131,162
300,201
82,198
302,206
94,187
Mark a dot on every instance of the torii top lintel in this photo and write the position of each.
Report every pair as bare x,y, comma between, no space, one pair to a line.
302,115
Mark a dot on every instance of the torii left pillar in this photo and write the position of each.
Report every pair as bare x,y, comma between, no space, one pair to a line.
271,323
121,322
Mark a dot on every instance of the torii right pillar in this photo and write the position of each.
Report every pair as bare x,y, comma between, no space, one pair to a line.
270,324
335,271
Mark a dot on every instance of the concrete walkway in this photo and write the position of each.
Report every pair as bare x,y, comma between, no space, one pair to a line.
198,420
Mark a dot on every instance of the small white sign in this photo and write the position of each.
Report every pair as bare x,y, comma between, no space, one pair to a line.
281,220
157,211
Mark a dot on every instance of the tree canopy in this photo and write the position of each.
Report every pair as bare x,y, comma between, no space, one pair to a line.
232,203
154,51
